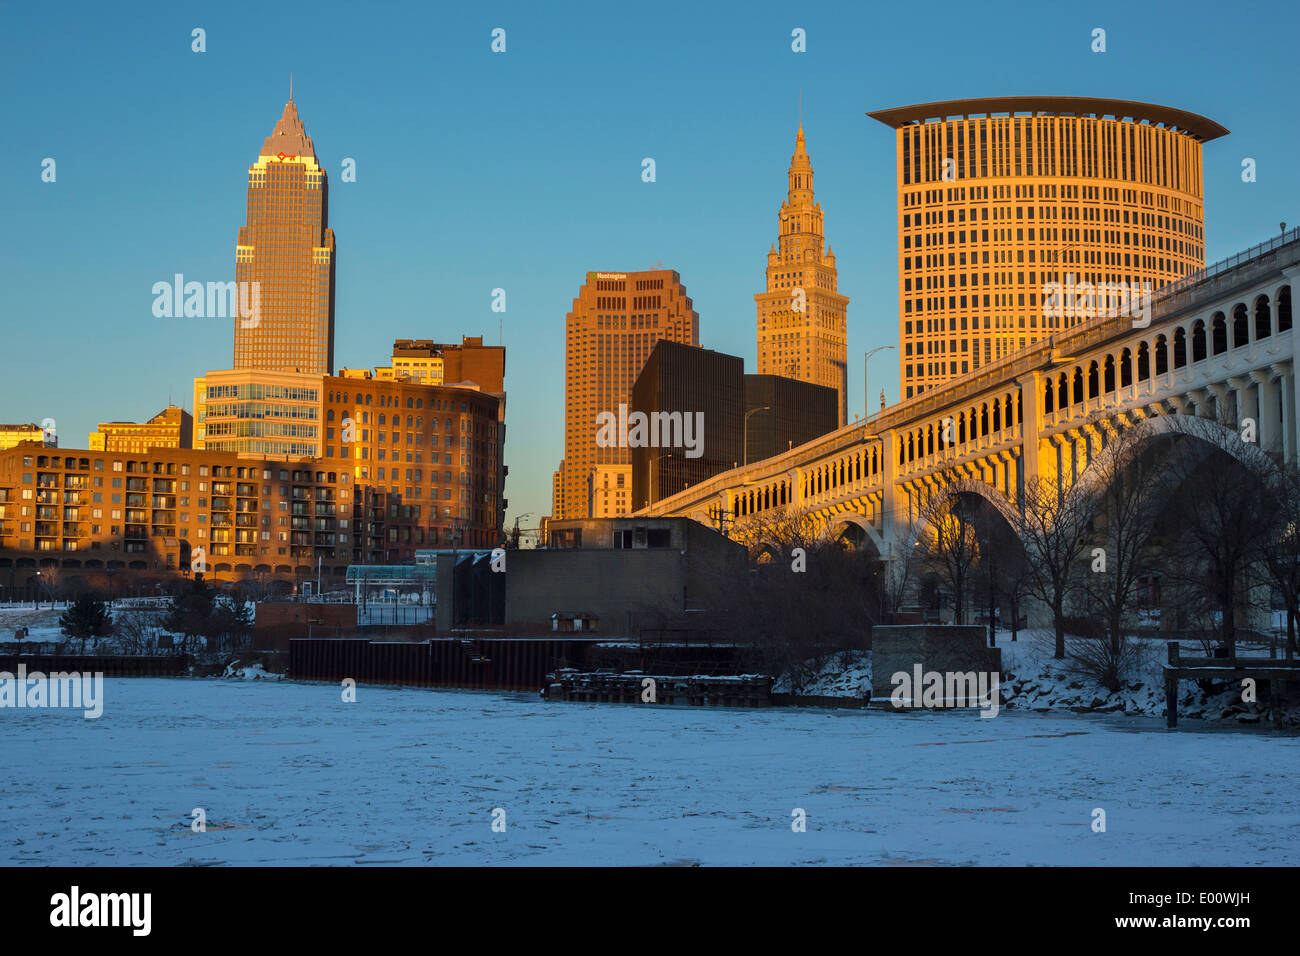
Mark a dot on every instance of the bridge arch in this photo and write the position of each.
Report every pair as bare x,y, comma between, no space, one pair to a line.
1141,434
943,497
840,523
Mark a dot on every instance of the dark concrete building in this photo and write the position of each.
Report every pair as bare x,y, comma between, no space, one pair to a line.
622,576
795,412
610,577
692,400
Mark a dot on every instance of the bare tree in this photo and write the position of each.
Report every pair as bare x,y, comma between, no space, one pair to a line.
951,547
1005,566
1130,492
808,597
896,573
1054,533
777,533
1279,551
1222,510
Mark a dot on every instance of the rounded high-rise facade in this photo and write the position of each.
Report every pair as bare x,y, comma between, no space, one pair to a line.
1001,200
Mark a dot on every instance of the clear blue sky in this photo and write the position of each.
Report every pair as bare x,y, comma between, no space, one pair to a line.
522,170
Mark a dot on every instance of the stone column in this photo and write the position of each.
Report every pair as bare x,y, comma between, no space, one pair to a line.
1288,414
1269,410
889,523
1031,427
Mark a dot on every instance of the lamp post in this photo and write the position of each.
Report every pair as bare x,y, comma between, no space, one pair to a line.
745,439
866,406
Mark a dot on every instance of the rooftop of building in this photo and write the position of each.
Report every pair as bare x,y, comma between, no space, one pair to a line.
1194,125
289,138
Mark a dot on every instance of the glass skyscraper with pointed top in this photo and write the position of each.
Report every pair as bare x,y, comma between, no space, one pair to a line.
287,248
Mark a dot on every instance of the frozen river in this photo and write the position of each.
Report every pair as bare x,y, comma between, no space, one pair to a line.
289,774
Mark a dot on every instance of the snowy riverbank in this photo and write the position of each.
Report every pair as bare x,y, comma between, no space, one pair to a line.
1032,679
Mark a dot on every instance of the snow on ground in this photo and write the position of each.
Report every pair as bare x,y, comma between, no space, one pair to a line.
238,671
1033,679
845,674
289,774
42,623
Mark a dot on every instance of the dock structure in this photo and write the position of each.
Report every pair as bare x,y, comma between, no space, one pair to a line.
635,687
1265,671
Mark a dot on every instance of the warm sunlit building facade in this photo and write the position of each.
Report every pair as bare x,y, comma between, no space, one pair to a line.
11,435
287,248
172,509
999,198
258,412
802,318
437,363
614,324
611,490
173,427
432,455
428,462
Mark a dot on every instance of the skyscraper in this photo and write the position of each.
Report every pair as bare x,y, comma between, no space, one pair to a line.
999,198
802,323
700,395
615,322
288,250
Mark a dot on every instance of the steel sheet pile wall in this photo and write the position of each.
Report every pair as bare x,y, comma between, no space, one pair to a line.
479,664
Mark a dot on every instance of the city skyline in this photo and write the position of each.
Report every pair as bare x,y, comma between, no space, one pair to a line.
706,216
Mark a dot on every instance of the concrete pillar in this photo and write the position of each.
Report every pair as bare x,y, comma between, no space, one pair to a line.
1247,402
1287,383
1032,425
888,488
1269,410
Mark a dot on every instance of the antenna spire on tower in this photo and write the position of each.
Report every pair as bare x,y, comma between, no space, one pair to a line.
291,87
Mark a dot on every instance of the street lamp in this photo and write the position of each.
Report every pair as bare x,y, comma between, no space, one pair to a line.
866,407
765,408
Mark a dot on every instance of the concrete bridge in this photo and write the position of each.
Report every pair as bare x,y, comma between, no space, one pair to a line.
1219,345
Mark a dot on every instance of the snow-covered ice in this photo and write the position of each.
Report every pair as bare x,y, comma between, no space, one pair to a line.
289,774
